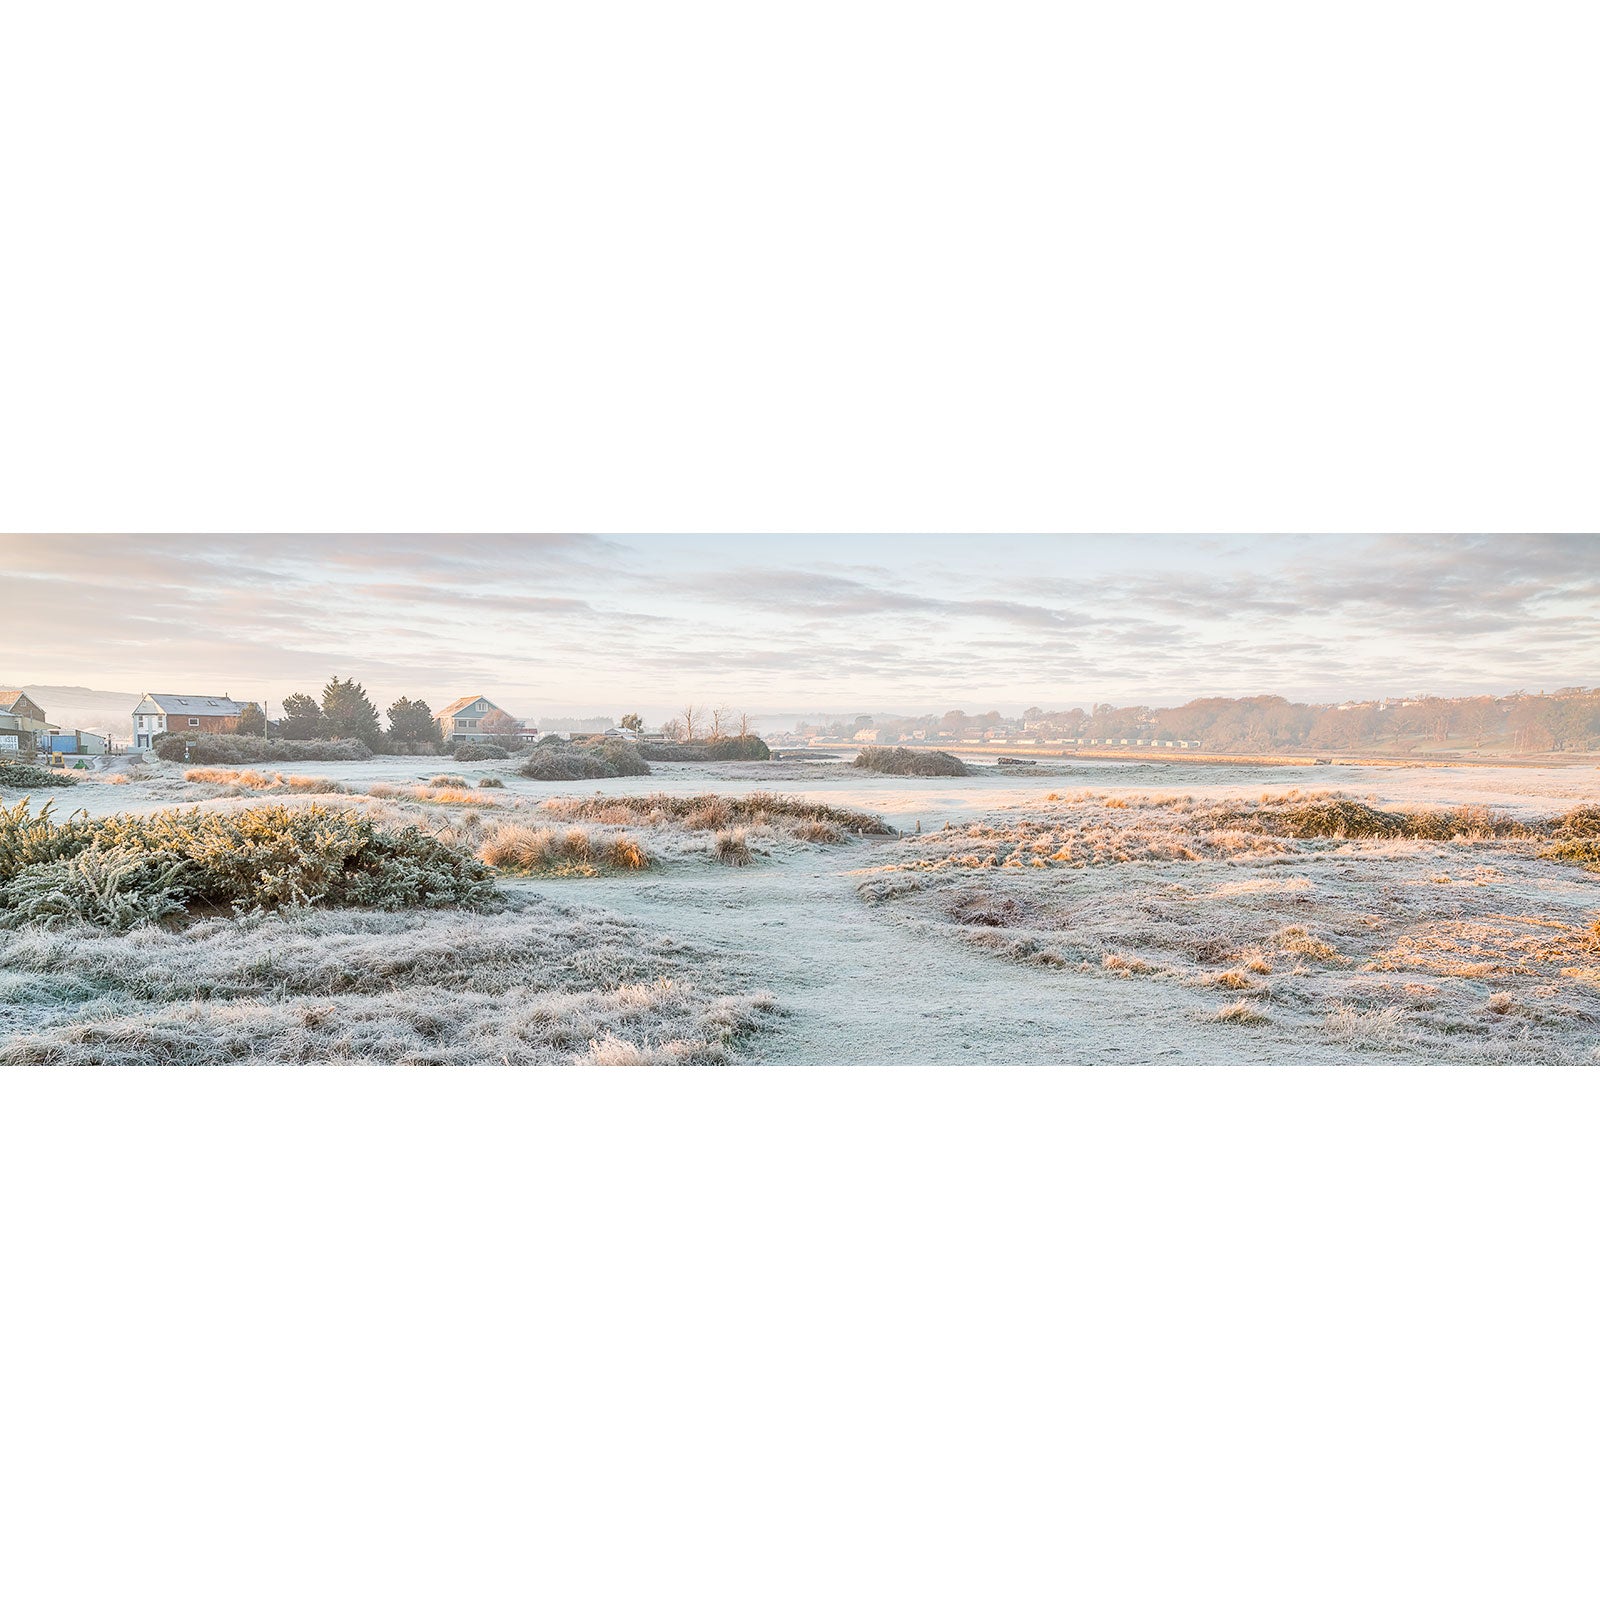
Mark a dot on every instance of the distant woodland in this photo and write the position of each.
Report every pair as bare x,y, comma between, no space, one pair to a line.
1524,724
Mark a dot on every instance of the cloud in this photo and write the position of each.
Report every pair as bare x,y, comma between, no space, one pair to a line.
581,620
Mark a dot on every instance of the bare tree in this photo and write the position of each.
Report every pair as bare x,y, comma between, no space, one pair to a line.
690,712
745,729
672,730
721,716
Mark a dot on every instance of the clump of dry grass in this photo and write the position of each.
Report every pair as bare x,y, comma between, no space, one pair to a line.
449,780
491,783
1299,940
1242,1014
247,779
539,983
566,852
709,813
1368,1028
732,847
450,794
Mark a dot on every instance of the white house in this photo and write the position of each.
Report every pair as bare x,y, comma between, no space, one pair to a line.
195,714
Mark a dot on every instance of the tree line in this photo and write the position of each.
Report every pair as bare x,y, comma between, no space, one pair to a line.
1564,719
346,711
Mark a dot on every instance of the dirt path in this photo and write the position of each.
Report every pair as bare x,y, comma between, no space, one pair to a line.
861,986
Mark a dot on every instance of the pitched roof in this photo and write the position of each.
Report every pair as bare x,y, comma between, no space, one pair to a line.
201,705
466,700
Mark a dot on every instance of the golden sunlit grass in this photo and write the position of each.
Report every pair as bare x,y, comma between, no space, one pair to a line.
562,852
245,778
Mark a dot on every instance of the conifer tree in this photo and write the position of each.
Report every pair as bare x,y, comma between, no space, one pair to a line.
349,714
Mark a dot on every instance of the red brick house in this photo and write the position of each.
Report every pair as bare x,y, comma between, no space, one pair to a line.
158,714
24,729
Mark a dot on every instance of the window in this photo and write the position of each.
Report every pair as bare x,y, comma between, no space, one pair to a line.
194,722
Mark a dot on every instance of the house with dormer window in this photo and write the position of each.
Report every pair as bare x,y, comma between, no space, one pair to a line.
159,714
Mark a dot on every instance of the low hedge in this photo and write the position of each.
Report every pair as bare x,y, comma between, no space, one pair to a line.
239,749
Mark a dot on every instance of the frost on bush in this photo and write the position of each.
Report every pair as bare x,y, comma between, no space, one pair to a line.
113,887
610,758
535,983
902,763
261,858
24,775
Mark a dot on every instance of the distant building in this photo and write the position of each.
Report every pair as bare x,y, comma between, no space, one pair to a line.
866,735
462,721
79,743
158,714
24,729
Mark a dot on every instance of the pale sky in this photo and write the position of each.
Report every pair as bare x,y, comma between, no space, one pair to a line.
553,625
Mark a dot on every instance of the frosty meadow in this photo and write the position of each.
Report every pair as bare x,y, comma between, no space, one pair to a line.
1194,871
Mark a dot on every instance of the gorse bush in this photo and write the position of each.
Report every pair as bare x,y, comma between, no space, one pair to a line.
24,775
479,750
611,758
901,763
29,838
234,749
263,858
745,748
113,887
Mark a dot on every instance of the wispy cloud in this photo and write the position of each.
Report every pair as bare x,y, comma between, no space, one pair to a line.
580,621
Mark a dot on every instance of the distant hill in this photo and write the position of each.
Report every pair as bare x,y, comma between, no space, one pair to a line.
94,710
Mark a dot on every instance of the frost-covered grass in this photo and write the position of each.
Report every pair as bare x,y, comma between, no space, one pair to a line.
538,983
1444,932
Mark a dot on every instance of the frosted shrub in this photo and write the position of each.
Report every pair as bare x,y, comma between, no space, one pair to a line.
263,858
